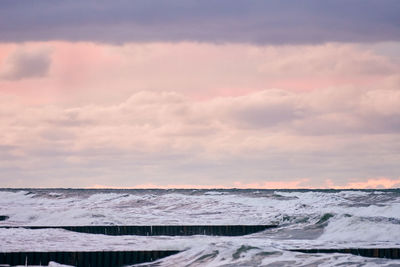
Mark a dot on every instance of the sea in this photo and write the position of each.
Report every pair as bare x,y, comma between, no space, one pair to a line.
306,219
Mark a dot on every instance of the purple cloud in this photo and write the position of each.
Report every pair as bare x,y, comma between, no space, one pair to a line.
275,22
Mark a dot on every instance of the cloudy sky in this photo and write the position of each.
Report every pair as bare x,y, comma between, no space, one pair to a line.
200,94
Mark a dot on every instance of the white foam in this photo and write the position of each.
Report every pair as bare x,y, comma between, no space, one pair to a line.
350,219
355,229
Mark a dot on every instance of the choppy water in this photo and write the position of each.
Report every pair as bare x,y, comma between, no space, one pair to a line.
306,218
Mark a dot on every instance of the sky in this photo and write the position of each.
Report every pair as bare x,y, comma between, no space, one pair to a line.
200,94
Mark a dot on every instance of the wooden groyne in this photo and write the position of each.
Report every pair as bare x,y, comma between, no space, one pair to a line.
167,230
79,258
389,253
121,258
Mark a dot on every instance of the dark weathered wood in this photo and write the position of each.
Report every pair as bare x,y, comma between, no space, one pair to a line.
120,258
84,258
167,230
389,253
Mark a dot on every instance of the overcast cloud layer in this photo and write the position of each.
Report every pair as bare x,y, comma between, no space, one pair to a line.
254,21
188,115
186,93
165,139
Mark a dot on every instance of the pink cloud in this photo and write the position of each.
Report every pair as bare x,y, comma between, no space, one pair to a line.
195,101
292,184
155,186
269,120
100,73
372,183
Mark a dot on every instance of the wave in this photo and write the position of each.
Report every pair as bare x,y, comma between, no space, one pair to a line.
307,219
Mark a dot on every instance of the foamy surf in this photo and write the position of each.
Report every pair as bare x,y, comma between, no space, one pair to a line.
307,219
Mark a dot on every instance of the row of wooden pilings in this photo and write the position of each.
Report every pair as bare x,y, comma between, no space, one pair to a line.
388,253
84,259
120,258
168,230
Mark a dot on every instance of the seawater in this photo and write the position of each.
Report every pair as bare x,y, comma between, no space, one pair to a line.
306,219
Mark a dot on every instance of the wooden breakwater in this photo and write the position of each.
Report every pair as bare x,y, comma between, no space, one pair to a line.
80,258
121,258
389,253
168,230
